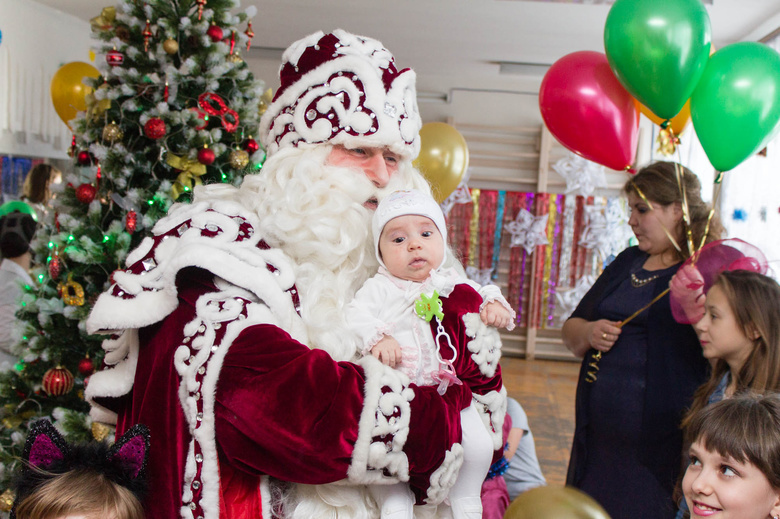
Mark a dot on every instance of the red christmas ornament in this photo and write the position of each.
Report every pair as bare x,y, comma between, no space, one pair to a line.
215,32
57,381
147,33
84,158
86,368
251,146
206,156
55,266
115,58
131,221
201,4
154,128
85,193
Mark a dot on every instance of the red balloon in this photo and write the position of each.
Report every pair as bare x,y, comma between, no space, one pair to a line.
587,109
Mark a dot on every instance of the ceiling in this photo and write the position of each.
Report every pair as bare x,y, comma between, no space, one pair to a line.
460,44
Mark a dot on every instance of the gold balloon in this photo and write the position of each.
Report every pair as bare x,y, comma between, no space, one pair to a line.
443,158
68,92
171,46
557,502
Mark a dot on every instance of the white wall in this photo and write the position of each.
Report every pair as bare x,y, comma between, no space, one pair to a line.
37,41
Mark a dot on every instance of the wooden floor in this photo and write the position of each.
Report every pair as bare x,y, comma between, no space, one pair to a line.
545,389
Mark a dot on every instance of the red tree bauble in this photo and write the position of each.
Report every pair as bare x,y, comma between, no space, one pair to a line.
85,193
84,158
154,128
131,221
251,146
215,33
55,267
114,58
206,156
57,381
86,367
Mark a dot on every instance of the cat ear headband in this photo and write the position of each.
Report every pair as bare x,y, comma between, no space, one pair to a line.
47,455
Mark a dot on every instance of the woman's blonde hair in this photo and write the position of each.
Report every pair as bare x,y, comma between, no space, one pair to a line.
80,492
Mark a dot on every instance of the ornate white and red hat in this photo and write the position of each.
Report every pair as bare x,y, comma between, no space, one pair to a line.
343,89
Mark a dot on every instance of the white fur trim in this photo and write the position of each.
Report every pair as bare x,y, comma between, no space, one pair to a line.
117,380
199,361
386,413
485,345
492,409
443,478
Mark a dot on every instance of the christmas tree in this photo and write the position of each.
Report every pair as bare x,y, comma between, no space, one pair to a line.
174,106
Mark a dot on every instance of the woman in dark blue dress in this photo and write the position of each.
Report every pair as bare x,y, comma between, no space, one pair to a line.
627,441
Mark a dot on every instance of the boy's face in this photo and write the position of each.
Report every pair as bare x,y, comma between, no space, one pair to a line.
719,486
411,246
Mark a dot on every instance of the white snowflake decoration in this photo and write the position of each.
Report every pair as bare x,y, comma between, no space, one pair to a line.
607,231
582,176
461,195
528,230
569,298
480,276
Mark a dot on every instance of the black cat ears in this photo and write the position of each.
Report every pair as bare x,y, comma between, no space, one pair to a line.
47,454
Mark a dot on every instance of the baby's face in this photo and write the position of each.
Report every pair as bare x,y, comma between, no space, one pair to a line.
411,247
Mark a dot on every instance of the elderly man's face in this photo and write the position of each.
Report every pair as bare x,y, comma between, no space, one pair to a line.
378,164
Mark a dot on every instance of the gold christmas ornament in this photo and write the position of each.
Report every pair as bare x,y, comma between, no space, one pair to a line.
72,292
238,159
112,132
265,101
7,500
100,431
171,46
234,58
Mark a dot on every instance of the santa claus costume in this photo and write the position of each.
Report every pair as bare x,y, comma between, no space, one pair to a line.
227,331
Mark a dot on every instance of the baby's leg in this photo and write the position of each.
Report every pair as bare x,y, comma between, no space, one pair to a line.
395,501
477,455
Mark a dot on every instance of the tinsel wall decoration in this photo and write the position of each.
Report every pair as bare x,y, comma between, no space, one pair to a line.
544,249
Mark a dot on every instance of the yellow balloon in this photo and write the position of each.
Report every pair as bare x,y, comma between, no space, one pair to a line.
68,92
555,502
676,123
443,158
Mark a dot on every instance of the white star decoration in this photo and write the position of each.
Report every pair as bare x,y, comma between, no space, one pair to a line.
461,195
582,176
480,276
569,298
528,230
607,231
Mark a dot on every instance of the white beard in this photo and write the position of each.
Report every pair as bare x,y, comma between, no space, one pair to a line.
314,212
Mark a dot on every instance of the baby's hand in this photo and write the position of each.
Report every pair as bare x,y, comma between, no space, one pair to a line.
496,314
388,351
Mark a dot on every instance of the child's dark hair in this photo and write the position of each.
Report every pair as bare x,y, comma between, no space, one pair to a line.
745,427
16,231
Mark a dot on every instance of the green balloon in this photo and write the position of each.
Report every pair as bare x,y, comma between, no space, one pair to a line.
19,206
658,50
736,106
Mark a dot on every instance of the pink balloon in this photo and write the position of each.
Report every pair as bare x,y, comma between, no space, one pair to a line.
588,110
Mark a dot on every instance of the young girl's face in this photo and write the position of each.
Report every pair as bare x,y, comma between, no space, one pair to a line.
719,332
720,487
411,247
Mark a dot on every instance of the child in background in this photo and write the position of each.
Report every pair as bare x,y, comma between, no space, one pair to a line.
85,481
734,470
524,472
389,315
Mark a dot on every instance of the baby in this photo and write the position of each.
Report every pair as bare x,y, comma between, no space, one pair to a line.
431,323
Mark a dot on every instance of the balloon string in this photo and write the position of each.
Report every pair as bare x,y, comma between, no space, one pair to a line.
715,201
685,208
593,366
